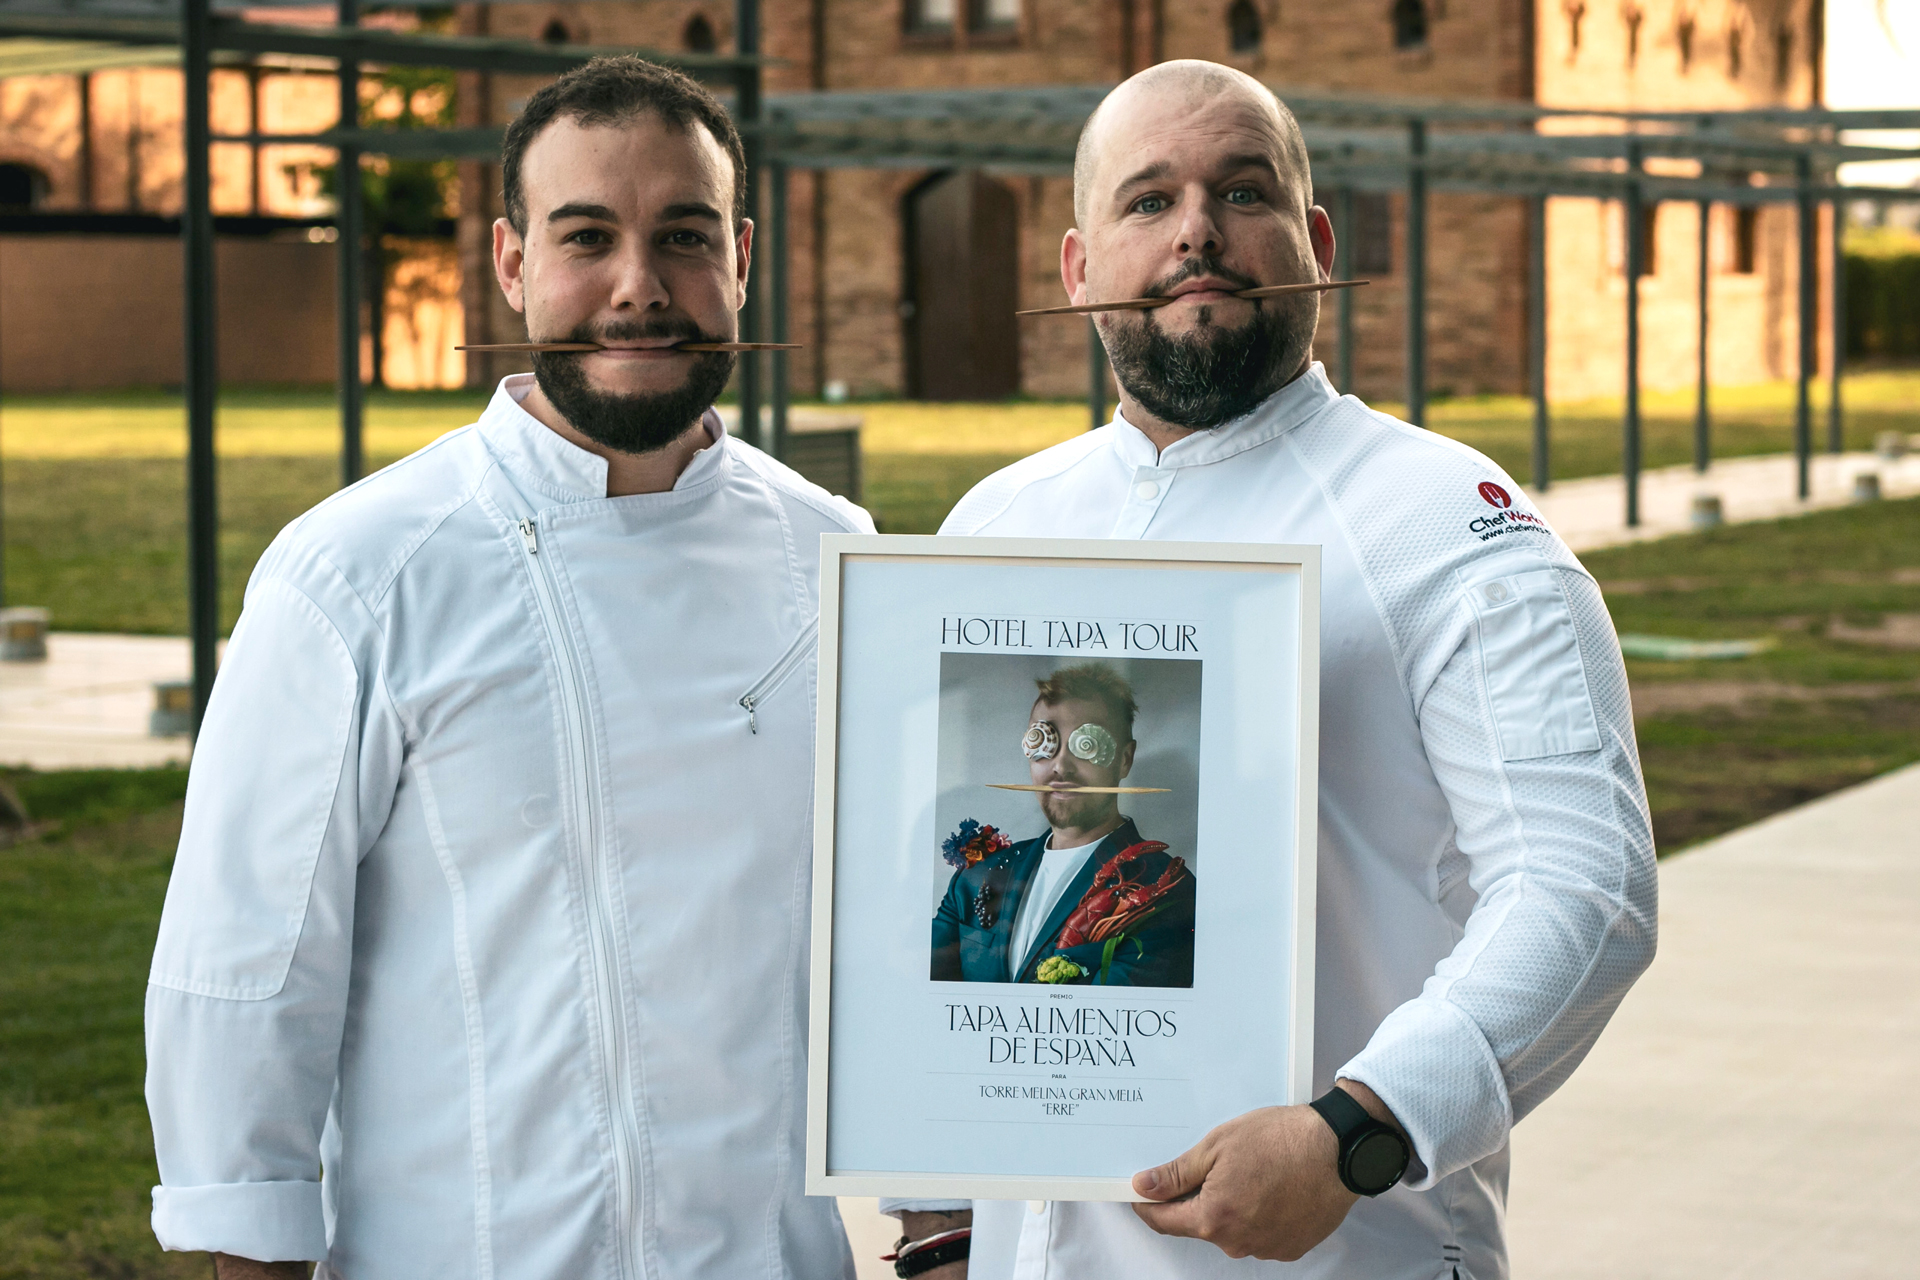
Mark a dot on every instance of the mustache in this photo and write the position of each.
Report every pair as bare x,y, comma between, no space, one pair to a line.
1193,268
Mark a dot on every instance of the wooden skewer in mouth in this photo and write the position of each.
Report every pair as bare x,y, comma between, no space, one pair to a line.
1147,304
595,346
1069,791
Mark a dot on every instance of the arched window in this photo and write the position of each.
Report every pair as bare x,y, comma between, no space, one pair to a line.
698,36
1683,33
1409,24
1243,27
21,187
1783,54
1633,15
1736,37
555,32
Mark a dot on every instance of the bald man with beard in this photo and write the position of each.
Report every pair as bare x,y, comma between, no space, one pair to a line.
1486,867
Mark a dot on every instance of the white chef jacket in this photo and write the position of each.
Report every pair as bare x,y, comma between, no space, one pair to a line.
1486,869
491,901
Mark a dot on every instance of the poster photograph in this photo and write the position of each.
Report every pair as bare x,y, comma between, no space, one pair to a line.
1064,858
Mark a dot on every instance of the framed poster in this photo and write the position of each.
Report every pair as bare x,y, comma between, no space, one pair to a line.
1064,858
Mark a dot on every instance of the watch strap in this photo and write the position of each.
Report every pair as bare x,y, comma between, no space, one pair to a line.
1342,1112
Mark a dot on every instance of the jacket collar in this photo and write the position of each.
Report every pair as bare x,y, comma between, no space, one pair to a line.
547,462
1272,418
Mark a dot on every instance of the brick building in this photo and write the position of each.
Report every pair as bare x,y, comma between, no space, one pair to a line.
876,253
871,248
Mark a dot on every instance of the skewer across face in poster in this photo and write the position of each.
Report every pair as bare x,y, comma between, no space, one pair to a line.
1064,858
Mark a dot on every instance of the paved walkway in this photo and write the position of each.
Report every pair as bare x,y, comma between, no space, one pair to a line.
86,706
1751,1111
1592,512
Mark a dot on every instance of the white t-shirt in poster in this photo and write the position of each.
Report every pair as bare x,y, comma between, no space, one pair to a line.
1056,871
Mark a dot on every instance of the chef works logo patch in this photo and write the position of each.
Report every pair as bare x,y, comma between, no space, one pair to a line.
1505,519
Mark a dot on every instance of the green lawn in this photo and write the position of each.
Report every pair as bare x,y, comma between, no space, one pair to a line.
78,911
94,489
1824,711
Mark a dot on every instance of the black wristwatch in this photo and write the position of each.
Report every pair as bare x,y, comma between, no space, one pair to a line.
1372,1155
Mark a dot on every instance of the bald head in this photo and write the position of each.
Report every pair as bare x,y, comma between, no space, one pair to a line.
1181,85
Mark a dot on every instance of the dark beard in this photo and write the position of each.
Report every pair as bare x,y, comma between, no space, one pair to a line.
1214,375
641,421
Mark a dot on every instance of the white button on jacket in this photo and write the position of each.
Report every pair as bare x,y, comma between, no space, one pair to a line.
1486,877
492,895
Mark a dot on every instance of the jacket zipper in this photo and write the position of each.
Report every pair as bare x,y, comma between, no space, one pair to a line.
769,684
626,1141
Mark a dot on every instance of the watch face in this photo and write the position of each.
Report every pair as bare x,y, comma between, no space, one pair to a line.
1377,1161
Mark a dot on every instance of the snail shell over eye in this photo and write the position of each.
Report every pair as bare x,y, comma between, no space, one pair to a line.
1094,745
1042,741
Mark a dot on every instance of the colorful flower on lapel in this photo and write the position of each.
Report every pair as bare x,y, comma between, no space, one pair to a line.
971,843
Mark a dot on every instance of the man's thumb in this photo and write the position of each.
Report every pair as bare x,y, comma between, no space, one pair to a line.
1178,1177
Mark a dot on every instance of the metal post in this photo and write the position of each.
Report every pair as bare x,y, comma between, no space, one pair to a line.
1096,378
746,110
1702,438
1417,272
1809,317
201,374
777,286
1837,299
1342,270
1636,254
1537,342
348,221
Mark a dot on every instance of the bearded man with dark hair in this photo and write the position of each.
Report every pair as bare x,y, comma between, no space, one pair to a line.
478,957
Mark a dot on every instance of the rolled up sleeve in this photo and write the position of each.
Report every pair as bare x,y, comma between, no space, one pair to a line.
1529,729
293,774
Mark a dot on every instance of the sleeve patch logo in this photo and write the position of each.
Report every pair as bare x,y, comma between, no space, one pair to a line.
1504,519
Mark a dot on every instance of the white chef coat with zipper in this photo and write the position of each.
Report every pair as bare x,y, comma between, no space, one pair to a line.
491,900
1486,867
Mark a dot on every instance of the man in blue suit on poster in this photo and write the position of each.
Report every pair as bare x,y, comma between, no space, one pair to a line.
1089,901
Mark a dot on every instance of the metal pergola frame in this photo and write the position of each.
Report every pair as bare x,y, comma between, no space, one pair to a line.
1745,158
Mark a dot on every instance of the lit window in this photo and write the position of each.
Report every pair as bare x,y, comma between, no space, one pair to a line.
993,15
931,15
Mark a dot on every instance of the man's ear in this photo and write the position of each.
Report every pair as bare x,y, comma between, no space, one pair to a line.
509,264
743,257
1126,759
1320,235
1073,266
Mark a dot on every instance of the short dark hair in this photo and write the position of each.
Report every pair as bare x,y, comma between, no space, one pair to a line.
1092,682
613,91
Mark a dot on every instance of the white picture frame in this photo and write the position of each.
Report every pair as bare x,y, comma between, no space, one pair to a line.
922,1087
